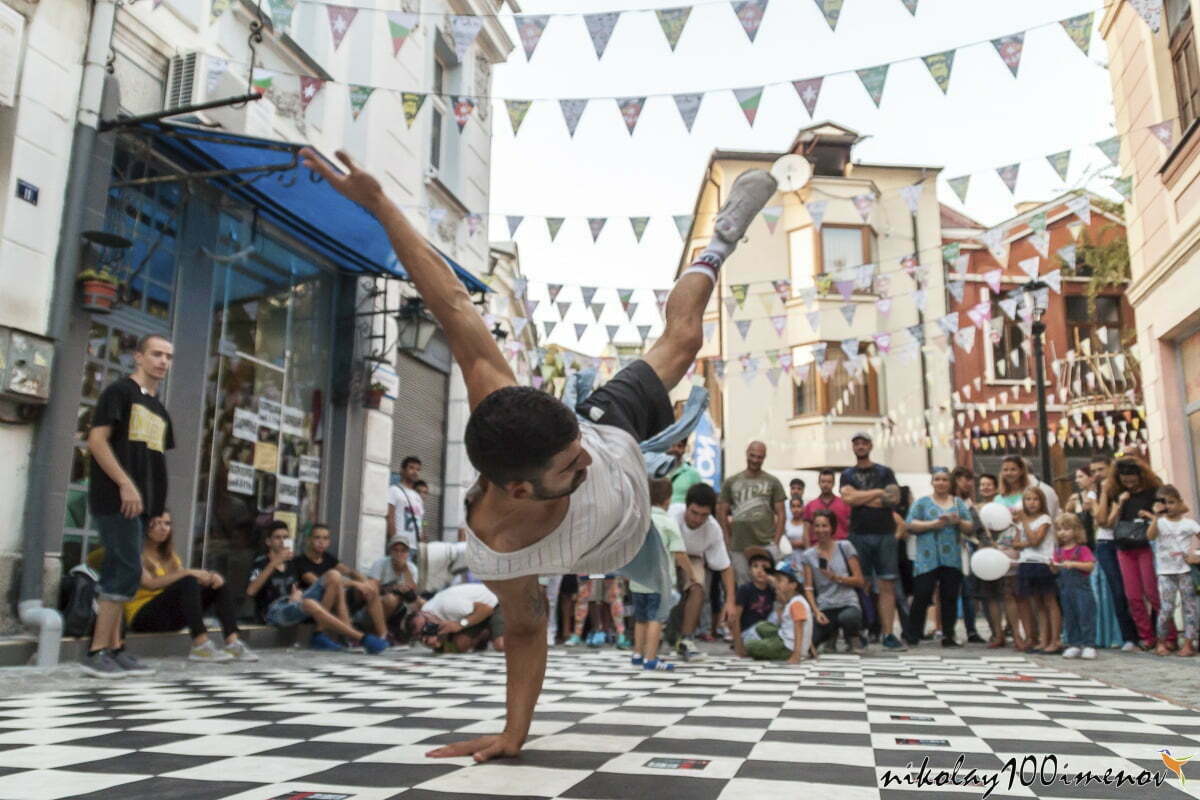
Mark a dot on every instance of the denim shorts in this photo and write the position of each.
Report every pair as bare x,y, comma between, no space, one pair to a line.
652,569
121,572
645,607
1035,580
283,613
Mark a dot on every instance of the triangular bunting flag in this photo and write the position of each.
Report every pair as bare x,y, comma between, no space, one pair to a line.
816,210
783,289
743,326
956,289
939,65
518,325
739,291
1009,48
683,224
1080,30
572,110
1009,174
731,305
748,99
437,215
612,331
281,14
465,28
949,323
771,215
1164,132
643,332
595,225
864,204
411,102
631,110
1081,206
1030,266
340,18
580,329
883,306
530,28
1124,187
1041,243
587,292
548,326
672,21
597,309
359,95
831,9
750,14
1061,162
517,109
400,25
965,338
848,310
1151,11
474,223
563,308
873,80
552,225
308,90
514,222
814,319
218,8
639,226
600,29
959,186
780,323
911,5
1112,149
912,196
992,278
1053,279
809,90
1068,255
688,105
709,329
463,106
552,291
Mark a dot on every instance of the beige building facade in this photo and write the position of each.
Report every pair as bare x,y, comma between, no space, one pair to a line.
774,354
1156,81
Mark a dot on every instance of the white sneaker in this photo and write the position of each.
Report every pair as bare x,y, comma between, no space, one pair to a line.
750,192
687,649
1089,653
1129,647
1072,652
209,652
240,651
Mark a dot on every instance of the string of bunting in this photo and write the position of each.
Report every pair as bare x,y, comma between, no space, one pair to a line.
1009,48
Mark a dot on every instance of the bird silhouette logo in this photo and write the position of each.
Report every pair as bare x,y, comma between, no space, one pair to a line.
1175,764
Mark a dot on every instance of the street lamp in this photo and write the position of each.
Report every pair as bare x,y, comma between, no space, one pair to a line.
499,334
416,326
1037,294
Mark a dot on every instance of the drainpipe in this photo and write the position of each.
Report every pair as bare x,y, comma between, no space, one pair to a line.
31,609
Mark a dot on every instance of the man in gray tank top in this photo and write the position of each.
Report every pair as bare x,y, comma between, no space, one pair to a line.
556,494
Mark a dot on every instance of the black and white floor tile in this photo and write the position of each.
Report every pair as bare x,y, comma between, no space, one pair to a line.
715,730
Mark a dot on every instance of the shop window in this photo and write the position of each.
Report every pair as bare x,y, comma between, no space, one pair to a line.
1184,65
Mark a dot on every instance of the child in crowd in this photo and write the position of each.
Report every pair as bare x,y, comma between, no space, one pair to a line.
787,634
604,591
1177,542
647,621
756,599
1073,563
1036,586
795,528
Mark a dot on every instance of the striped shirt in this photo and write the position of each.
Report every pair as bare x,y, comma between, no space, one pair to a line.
606,522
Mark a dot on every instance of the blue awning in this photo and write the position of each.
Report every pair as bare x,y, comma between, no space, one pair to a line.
312,211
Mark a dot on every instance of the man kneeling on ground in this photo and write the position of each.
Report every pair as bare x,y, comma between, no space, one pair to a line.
459,619
280,602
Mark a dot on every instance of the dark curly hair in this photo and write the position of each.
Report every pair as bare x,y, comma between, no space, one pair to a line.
512,435
701,494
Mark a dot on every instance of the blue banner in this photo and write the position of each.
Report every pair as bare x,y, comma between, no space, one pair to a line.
706,453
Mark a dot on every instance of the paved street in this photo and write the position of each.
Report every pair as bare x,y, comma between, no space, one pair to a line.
355,727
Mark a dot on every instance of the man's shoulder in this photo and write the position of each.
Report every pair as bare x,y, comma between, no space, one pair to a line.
260,560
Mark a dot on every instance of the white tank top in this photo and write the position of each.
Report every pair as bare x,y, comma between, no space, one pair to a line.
605,525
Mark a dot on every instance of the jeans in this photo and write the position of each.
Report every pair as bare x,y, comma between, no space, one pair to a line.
1106,557
847,619
1141,589
121,572
1078,607
947,580
182,604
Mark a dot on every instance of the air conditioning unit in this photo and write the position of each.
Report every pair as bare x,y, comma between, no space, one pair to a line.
194,78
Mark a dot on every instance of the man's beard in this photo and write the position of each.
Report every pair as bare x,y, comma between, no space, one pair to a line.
540,493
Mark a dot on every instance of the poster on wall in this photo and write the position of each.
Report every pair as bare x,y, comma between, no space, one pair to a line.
245,425
266,456
287,491
288,518
268,413
241,478
310,469
292,421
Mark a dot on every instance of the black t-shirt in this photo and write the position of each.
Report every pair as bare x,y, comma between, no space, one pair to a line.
864,520
756,603
277,586
1137,502
303,564
140,436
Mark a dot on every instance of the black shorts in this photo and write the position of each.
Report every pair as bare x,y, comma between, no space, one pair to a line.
1035,580
635,401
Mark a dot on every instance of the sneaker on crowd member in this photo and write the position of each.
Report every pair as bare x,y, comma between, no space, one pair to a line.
101,664
658,665
322,641
597,639
240,651
891,642
131,665
574,640
207,651
636,661
1072,652
374,645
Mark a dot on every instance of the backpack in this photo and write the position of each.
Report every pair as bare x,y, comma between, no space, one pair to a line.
77,601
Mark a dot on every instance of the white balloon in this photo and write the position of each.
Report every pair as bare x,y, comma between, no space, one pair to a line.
989,564
996,517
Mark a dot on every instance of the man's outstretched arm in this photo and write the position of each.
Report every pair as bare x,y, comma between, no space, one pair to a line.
523,604
483,366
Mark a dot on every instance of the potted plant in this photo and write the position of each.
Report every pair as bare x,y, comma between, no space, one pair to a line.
98,290
373,396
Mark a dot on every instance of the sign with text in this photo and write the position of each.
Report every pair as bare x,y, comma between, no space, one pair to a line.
241,478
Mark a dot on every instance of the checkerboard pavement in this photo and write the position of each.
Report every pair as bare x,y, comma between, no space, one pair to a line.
829,728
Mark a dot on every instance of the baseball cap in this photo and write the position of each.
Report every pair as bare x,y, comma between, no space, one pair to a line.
861,435
399,539
786,568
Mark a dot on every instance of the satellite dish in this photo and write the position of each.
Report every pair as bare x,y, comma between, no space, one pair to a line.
792,172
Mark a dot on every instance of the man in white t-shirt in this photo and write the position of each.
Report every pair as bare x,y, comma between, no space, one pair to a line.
406,506
705,545
458,619
556,495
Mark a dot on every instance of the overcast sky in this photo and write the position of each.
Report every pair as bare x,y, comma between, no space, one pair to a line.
1060,100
